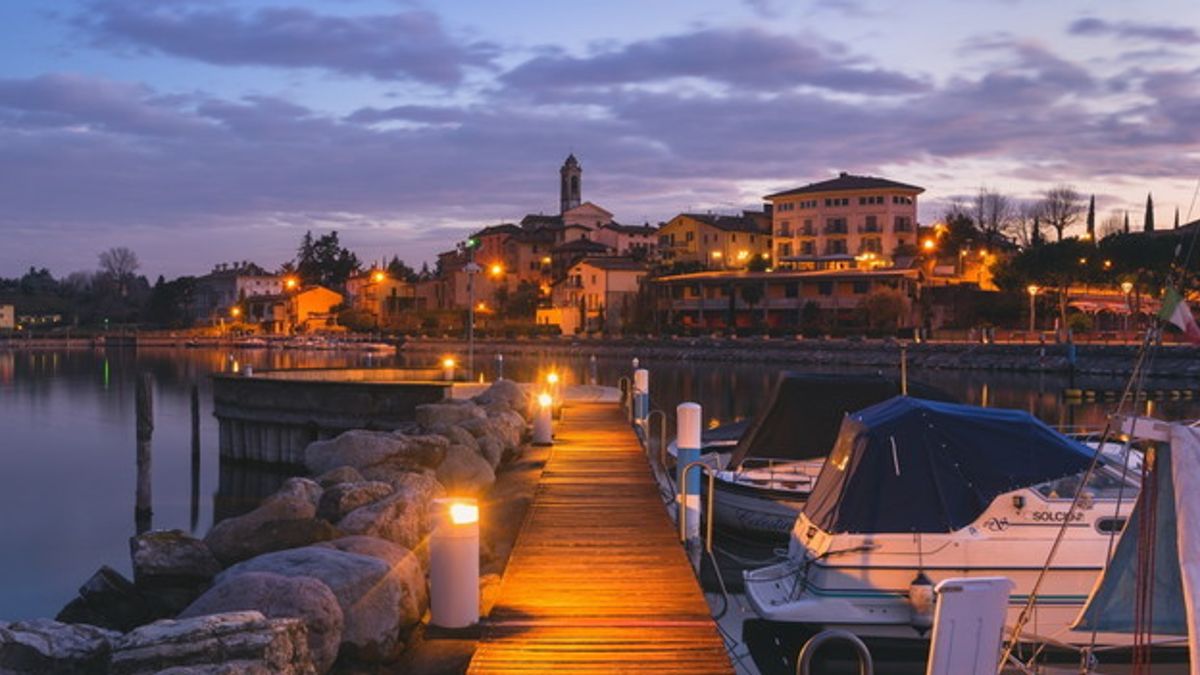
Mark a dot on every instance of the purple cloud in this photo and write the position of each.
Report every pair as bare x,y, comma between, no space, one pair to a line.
743,58
409,45
1133,30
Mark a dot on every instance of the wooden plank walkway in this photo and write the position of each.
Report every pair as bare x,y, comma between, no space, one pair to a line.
598,582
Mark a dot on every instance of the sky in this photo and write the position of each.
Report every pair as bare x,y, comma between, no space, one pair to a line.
203,131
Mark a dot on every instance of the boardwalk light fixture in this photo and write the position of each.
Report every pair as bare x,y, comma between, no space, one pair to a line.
454,563
448,364
543,425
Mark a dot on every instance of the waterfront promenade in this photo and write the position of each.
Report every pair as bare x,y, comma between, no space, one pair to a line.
598,581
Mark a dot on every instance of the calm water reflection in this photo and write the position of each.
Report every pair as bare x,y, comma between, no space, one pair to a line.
67,443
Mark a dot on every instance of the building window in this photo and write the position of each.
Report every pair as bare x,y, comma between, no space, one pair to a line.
809,230
691,236
861,287
825,287
807,247
835,226
785,250
903,224
871,224
897,199
785,228
835,247
871,245
791,290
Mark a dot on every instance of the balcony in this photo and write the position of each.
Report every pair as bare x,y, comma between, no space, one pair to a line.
870,228
835,228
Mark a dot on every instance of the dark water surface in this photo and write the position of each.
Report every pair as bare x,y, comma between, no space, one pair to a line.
67,442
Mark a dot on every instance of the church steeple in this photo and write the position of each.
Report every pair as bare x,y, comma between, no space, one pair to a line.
570,187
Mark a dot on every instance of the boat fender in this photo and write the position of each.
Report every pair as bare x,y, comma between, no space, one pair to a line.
921,602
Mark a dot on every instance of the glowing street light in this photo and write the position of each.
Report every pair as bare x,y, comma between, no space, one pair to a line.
546,260
1032,289
378,276
496,270
929,244
448,368
235,312
1127,288
291,283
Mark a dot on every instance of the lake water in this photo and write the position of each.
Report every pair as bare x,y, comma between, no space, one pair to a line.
67,442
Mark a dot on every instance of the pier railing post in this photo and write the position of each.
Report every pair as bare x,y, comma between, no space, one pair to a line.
687,448
641,396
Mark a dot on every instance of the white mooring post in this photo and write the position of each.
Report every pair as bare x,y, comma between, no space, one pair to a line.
499,367
687,442
543,425
454,564
641,395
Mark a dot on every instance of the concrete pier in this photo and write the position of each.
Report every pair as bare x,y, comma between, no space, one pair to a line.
272,416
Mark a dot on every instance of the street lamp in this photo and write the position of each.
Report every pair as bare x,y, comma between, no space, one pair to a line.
497,269
1032,289
378,276
1127,288
291,283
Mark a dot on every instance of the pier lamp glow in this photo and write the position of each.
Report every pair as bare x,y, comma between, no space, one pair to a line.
543,424
454,563
448,364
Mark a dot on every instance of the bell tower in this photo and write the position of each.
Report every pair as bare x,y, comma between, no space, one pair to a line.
570,187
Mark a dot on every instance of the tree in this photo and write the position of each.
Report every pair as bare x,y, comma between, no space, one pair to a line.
1024,223
118,265
992,213
1060,208
1148,221
169,301
882,309
324,261
396,269
522,302
1091,218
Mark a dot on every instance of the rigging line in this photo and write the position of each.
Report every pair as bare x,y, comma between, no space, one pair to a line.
1023,617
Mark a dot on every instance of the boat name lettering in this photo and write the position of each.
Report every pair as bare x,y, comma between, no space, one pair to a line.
1056,516
996,524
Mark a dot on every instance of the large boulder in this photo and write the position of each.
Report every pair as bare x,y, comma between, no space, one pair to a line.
456,434
403,516
499,430
369,593
345,497
449,413
242,642
341,474
512,427
171,555
465,472
109,600
287,519
405,566
506,393
45,647
361,450
280,597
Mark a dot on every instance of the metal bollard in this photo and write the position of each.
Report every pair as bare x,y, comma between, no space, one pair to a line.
454,564
687,448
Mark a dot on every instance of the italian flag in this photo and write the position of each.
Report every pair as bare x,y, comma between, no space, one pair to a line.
1176,311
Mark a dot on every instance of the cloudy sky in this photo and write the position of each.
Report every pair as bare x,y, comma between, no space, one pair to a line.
200,131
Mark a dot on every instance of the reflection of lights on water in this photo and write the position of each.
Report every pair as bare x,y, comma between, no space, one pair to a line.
234,367
106,374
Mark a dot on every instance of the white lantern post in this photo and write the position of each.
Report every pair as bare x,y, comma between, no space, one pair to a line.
543,425
454,564
448,369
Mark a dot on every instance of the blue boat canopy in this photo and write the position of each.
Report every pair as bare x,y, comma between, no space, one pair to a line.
911,465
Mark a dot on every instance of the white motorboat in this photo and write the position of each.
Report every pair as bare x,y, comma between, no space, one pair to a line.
767,468
915,492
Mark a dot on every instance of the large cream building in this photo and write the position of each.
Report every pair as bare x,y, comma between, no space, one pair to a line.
833,223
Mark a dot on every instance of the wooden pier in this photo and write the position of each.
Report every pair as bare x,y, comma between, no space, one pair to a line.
598,582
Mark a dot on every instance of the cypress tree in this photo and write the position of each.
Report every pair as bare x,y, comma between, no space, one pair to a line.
1091,219
1177,217
1126,222
1148,223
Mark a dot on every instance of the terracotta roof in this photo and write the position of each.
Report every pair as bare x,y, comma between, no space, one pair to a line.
502,228
741,223
613,263
537,220
646,229
847,182
784,275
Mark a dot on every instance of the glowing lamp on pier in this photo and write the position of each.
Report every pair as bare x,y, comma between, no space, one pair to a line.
543,432
448,364
454,563
552,378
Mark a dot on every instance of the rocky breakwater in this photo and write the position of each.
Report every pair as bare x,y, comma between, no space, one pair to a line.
326,575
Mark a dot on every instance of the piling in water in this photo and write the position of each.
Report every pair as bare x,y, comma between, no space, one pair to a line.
145,430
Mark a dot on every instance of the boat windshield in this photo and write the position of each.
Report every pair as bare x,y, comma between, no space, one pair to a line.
1105,483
